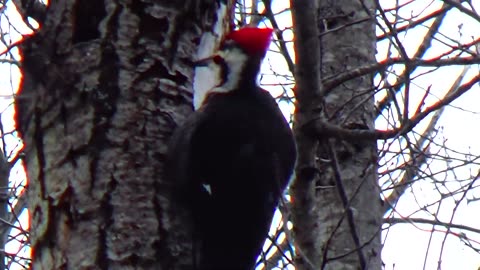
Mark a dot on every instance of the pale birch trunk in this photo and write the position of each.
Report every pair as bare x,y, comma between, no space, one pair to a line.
337,210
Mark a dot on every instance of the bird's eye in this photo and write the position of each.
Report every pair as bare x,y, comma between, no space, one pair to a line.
217,59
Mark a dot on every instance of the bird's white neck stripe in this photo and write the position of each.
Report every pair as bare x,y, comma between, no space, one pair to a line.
235,60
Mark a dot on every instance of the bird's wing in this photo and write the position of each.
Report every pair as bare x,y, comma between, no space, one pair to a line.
178,163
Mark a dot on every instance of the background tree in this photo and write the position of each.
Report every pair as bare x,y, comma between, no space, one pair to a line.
407,112
104,84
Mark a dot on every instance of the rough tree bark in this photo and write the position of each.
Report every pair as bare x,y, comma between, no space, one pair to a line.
104,83
342,205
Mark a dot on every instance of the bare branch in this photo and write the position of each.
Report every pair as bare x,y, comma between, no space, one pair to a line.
417,159
458,5
308,89
434,15
281,41
324,129
392,220
422,49
31,8
346,205
336,80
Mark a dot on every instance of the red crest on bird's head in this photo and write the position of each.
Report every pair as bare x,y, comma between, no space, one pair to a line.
252,40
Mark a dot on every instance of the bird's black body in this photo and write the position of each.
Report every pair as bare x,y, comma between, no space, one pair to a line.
233,158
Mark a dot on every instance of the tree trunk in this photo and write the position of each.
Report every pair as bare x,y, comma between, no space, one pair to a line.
103,85
349,193
345,206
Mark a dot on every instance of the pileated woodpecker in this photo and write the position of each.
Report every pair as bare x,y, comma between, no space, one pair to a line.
234,156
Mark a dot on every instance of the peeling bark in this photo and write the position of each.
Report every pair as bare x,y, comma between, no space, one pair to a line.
102,82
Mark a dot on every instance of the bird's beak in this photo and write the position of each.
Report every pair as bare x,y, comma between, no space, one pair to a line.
202,62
